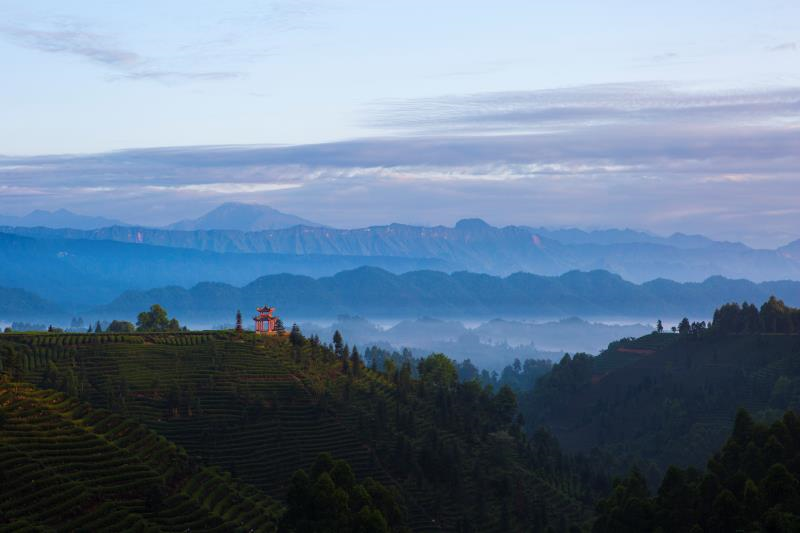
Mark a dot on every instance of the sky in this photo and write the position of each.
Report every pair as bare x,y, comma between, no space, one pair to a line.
679,116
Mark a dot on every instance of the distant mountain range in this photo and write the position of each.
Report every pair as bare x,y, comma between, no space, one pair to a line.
374,292
58,219
85,266
228,216
242,217
75,272
476,246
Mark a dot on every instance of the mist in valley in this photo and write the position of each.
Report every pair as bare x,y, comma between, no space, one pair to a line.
490,345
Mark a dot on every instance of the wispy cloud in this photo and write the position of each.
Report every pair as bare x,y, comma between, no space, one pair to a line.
88,45
577,107
225,188
102,50
169,76
783,47
665,57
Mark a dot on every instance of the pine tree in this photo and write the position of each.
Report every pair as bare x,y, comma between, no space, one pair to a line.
296,336
98,328
346,359
355,359
238,321
337,342
279,327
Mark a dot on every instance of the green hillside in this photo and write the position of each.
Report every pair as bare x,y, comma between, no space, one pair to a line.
750,484
68,467
261,408
666,399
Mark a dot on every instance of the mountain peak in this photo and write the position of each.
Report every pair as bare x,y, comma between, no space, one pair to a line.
242,217
472,224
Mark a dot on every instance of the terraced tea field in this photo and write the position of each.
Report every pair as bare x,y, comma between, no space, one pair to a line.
69,467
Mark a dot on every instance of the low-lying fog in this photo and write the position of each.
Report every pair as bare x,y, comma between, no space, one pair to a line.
492,345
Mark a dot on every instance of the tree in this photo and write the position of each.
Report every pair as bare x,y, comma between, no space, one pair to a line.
355,359
296,336
747,487
279,327
659,326
121,326
684,327
98,328
439,370
346,359
331,499
776,317
338,342
156,319
238,321
505,404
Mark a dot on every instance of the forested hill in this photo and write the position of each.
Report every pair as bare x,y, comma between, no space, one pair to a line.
199,430
376,292
751,484
670,399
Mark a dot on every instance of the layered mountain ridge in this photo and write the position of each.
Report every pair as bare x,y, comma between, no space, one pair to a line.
476,246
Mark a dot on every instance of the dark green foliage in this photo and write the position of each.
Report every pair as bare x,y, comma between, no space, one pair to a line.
520,376
296,336
437,370
330,499
355,361
121,326
773,317
751,484
338,343
156,319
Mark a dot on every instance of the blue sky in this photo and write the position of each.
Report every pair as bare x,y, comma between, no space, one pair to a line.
681,116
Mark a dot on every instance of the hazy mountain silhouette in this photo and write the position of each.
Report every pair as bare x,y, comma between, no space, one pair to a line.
476,246
242,217
374,292
61,218
75,272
